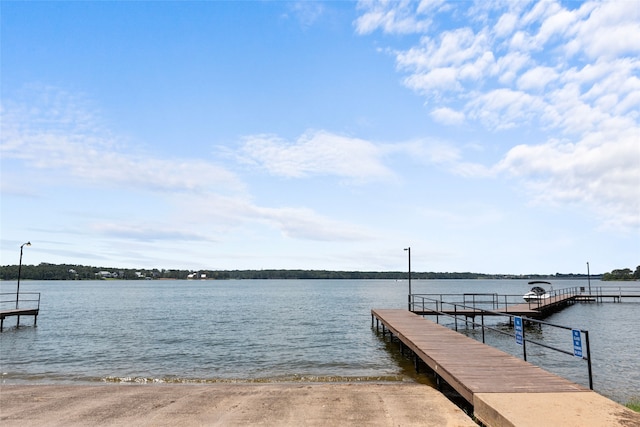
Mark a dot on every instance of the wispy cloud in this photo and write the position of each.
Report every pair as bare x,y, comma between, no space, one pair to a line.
396,17
584,90
447,116
56,132
58,135
307,13
604,176
317,153
303,223
147,232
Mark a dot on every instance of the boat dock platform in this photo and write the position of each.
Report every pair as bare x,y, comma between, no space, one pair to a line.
534,310
503,390
471,305
31,298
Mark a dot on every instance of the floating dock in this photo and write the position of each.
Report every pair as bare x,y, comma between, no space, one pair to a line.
503,390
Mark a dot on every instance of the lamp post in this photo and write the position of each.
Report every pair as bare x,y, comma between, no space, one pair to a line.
19,271
409,296
589,278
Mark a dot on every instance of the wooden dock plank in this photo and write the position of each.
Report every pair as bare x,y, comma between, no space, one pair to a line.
469,366
19,312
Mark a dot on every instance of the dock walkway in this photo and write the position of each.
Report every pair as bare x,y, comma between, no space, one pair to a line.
504,390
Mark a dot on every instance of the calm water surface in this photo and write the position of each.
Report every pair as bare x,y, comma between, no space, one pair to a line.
272,330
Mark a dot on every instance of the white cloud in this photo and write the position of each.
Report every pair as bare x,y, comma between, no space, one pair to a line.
536,78
505,25
600,171
504,108
317,153
452,48
226,213
66,142
434,82
557,24
509,65
394,16
447,116
307,13
58,133
147,232
610,29
565,71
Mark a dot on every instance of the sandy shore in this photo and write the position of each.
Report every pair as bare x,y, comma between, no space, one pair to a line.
274,404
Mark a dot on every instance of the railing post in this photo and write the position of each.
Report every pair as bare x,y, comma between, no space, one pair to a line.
524,342
482,320
586,338
455,315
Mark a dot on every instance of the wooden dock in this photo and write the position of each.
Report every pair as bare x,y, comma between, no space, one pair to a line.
19,312
32,299
490,379
535,309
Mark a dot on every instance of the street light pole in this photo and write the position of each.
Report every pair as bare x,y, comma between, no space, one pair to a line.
409,296
589,278
19,271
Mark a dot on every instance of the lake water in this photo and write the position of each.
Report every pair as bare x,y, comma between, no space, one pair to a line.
273,330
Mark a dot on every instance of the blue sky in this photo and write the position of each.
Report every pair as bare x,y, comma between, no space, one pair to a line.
493,137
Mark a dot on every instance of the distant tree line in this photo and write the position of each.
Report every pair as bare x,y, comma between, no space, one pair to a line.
623,274
45,271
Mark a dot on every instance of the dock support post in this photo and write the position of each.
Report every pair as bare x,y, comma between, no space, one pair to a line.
455,316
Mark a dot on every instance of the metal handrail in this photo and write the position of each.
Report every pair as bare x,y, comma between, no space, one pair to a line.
10,298
616,292
502,301
440,311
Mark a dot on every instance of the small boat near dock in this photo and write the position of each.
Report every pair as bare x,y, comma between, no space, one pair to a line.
537,292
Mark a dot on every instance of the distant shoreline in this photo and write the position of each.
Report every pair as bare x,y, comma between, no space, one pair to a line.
80,272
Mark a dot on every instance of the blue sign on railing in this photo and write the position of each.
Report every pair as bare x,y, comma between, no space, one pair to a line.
517,323
577,342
